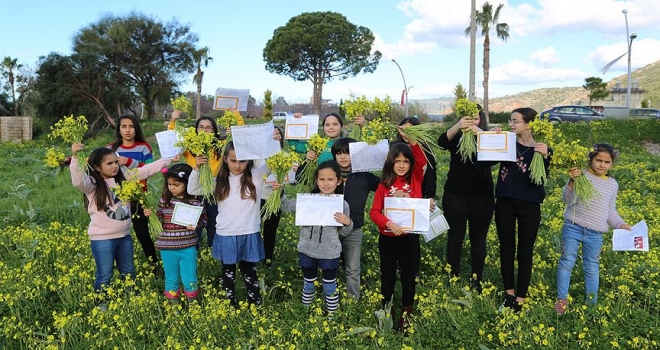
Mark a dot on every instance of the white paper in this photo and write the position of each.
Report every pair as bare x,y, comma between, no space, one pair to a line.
412,214
231,98
166,141
186,214
494,146
318,209
438,225
368,158
254,141
635,240
301,128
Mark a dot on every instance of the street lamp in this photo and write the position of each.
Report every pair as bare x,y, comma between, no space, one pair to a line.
632,37
405,87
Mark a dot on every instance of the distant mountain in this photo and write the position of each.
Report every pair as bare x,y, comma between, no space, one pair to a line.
648,78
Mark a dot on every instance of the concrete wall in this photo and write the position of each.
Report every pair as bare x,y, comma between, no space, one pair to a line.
15,129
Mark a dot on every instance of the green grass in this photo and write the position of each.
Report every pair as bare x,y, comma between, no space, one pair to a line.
46,274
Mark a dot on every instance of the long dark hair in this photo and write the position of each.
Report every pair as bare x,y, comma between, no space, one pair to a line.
222,182
180,172
328,164
139,136
101,190
216,132
389,176
339,118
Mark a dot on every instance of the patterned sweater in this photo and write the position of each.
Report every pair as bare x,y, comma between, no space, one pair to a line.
175,236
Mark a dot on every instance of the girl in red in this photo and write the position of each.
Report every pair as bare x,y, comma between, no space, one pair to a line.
403,174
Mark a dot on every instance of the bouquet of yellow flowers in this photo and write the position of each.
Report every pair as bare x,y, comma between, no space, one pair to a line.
279,164
377,130
71,130
229,119
467,146
201,144
54,158
316,144
183,104
130,190
425,134
543,131
570,155
354,107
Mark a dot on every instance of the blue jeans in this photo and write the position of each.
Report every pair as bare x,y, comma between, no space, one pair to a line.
180,265
351,246
108,251
571,237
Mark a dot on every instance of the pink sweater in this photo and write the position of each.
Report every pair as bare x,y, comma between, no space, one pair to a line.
115,220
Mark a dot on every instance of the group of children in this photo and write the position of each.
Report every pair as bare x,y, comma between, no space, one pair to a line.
233,223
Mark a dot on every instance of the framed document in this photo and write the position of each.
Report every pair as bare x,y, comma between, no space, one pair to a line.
438,225
186,214
301,128
494,146
231,98
412,214
318,209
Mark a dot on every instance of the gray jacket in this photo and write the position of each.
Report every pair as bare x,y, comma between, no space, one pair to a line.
319,242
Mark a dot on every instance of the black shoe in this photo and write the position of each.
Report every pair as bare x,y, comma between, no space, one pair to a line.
509,300
517,307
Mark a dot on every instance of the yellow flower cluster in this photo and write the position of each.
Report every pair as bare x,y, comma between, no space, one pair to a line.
197,143
569,154
317,143
362,106
71,130
281,163
54,158
130,189
543,131
183,104
377,130
466,108
230,119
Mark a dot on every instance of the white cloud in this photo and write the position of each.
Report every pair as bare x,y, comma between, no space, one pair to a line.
644,51
402,47
518,72
546,56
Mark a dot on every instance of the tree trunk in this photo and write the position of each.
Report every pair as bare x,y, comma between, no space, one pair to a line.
198,112
318,91
13,93
486,67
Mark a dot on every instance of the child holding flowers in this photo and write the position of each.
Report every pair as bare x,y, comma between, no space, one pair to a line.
176,242
319,246
317,148
208,125
110,226
585,222
237,241
403,173
134,152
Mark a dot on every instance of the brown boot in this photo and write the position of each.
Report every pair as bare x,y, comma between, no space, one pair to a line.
406,311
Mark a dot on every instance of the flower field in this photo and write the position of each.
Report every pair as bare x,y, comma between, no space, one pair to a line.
47,272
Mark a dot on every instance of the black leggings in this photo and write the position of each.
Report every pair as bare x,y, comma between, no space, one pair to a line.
459,211
141,228
400,253
527,215
249,272
270,231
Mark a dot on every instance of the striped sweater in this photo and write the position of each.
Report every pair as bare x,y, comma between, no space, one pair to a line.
600,213
175,236
138,155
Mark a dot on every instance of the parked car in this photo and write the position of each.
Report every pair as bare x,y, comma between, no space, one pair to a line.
281,115
571,114
645,112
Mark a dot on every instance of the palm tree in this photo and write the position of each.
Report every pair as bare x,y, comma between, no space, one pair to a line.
202,59
9,66
487,20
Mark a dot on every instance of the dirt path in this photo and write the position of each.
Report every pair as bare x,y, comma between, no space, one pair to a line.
652,148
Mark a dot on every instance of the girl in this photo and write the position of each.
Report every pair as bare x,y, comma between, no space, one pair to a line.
403,173
319,246
332,126
467,198
430,183
585,223
110,226
518,203
135,152
271,223
204,124
237,241
177,243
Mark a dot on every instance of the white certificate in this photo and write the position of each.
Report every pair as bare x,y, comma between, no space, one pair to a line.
365,157
318,209
412,214
301,128
438,225
231,98
494,146
636,239
186,214
254,141
166,141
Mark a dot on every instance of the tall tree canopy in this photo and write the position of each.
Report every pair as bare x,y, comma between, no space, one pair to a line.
10,66
320,46
150,56
487,19
597,89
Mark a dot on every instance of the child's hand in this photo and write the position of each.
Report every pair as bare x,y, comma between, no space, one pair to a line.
497,129
199,160
626,227
275,185
176,114
406,139
342,219
541,148
147,212
311,155
122,160
176,158
359,120
465,123
297,115
574,172
432,203
395,228
190,227
76,147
